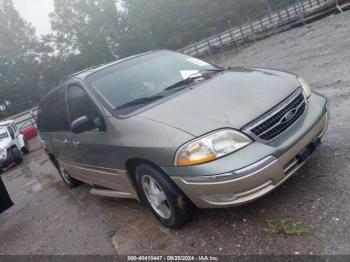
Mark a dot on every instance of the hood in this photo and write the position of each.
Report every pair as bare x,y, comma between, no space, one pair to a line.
231,99
5,143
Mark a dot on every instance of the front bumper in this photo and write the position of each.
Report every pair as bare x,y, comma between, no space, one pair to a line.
276,163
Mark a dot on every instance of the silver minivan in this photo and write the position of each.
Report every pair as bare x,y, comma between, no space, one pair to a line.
175,132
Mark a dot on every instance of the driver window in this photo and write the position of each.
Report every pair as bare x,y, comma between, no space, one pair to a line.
12,133
80,104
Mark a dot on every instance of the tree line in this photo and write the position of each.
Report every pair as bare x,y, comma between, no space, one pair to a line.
86,33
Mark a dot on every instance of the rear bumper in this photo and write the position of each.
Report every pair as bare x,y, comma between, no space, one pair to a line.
254,180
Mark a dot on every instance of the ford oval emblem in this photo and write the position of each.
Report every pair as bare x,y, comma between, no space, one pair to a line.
289,116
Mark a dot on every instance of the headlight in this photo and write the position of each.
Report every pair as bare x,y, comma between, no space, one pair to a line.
211,147
305,86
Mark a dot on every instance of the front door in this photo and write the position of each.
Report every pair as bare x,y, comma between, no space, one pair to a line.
89,149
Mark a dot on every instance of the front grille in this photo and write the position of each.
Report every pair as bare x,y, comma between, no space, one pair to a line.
279,119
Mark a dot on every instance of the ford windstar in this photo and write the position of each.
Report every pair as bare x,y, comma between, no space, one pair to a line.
175,132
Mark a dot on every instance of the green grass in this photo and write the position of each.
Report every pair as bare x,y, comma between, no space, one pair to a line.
287,226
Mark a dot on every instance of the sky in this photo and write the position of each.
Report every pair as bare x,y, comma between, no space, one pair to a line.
36,12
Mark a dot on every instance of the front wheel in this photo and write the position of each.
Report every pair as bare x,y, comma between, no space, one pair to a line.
67,179
170,206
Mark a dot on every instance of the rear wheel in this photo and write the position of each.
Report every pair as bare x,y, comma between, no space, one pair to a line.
67,179
170,206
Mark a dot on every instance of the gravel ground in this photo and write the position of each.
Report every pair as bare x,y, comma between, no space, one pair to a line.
48,218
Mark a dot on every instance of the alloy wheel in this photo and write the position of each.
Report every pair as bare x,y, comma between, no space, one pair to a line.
64,174
156,196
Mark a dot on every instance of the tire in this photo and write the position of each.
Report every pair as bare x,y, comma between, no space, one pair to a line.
17,155
26,149
169,205
67,179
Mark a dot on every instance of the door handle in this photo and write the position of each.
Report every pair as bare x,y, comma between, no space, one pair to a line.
76,142
65,141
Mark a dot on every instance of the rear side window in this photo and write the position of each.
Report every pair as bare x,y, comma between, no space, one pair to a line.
52,113
80,104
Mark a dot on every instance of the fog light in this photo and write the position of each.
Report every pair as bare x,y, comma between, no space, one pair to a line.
221,198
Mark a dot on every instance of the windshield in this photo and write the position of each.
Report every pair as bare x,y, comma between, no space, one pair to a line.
3,133
144,77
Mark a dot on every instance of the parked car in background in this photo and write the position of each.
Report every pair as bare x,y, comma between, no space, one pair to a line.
28,129
176,132
12,144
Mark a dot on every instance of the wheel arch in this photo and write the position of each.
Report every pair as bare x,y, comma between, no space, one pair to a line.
53,159
130,167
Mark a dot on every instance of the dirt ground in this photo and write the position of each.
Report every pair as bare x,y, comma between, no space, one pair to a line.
49,218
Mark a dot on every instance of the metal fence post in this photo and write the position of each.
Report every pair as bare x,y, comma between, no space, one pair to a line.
251,26
270,15
197,51
262,25
208,43
288,15
302,11
240,29
221,43
233,39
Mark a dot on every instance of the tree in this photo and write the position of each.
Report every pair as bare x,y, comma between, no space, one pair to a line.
91,32
154,24
19,62
89,28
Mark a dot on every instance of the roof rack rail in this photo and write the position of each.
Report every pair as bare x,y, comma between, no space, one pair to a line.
84,70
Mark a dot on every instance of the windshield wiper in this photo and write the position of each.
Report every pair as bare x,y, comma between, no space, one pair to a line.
184,82
140,101
192,78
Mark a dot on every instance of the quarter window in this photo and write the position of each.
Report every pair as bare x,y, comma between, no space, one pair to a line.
52,113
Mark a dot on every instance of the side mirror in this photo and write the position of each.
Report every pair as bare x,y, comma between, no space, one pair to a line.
82,124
